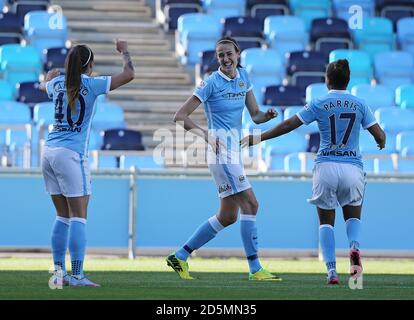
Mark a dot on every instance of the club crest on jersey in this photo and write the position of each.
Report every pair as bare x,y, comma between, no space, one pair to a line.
224,187
242,178
241,84
306,107
202,84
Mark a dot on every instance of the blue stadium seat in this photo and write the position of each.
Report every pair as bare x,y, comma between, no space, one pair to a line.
305,68
369,165
375,36
376,97
173,9
223,9
367,144
6,91
10,28
277,149
395,120
19,64
55,58
250,125
265,68
29,93
405,143
207,64
309,10
247,31
303,129
316,90
341,8
384,166
285,33
141,162
192,40
328,34
122,139
405,165
405,34
395,9
263,8
404,97
293,162
95,139
44,113
359,63
21,8
394,68
282,96
108,116
41,33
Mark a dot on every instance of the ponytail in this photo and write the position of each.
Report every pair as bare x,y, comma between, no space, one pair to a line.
338,74
76,63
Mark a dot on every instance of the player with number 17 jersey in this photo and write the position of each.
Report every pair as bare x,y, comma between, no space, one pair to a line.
72,130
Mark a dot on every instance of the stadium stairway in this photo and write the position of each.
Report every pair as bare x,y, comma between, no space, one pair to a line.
161,84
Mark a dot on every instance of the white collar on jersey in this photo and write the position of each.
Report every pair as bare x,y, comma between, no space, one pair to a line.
226,77
338,91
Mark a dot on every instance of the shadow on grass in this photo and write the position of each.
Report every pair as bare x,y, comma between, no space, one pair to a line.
167,286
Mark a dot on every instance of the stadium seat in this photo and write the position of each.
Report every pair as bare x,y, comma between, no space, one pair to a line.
173,9
299,162
369,165
29,93
285,33
6,91
395,9
395,120
247,31
277,149
375,36
224,9
394,68
263,8
384,166
207,64
376,97
309,10
95,139
404,97
359,63
405,34
42,34
191,39
108,116
265,68
282,96
303,129
315,90
305,68
368,146
328,34
10,28
405,166
55,58
141,162
405,143
122,139
19,64
342,7
21,8
250,125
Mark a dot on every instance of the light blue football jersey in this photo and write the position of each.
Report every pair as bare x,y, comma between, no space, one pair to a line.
72,130
224,100
339,116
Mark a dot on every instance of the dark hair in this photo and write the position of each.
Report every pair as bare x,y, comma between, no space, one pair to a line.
234,43
76,63
338,74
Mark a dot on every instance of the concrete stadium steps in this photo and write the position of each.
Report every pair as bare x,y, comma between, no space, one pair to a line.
161,85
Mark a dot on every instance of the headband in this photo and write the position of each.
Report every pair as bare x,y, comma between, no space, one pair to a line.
89,58
231,41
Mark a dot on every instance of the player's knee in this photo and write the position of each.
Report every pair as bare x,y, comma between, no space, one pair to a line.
228,220
253,206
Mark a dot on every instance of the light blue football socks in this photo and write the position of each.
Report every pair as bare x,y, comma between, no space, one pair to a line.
205,232
327,244
59,242
248,231
77,245
353,226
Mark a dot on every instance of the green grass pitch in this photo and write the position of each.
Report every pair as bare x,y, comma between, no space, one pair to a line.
150,278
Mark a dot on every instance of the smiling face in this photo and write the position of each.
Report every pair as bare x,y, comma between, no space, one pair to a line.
228,58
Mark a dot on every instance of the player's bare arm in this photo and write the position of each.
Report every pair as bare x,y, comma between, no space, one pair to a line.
257,115
128,72
285,127
378,134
